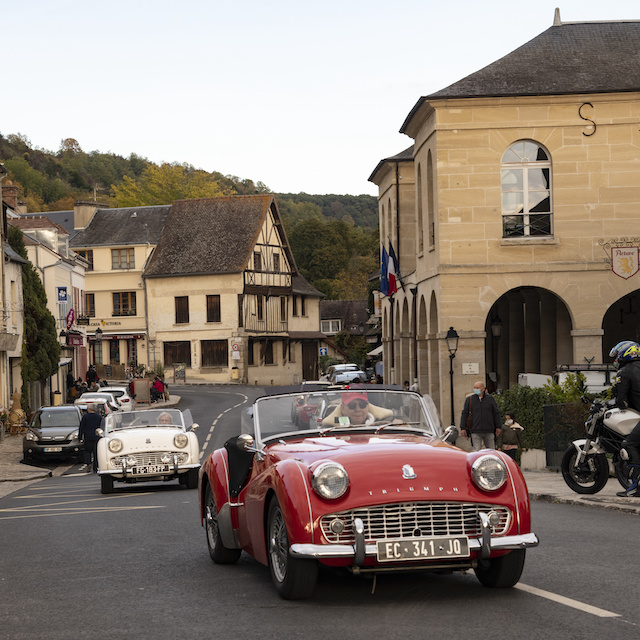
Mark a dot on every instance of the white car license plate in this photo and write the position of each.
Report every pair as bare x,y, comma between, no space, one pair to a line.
52,449
422,548
153,468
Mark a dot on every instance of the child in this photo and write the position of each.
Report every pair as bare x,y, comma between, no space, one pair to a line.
510,437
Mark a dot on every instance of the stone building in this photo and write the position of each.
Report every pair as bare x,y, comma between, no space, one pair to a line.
515,215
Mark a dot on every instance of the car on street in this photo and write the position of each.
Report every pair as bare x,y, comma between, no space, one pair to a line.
121,395
348,376
370,485
98,397
303,407
335,368
148,445
53,433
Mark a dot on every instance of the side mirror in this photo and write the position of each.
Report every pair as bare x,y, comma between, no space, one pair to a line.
246,442
194,427
450,434
99,432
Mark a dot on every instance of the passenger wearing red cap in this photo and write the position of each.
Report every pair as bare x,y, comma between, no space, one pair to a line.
356,407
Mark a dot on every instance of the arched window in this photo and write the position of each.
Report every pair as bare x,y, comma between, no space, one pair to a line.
526,191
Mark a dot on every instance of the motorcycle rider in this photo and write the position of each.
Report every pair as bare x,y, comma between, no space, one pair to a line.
626,355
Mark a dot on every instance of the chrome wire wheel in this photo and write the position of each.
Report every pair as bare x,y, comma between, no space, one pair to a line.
218,552
278,545
294,578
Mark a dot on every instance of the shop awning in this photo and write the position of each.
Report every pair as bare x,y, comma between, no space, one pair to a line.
375,352
64,361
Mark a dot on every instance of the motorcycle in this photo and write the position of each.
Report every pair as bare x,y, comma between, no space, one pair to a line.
585,466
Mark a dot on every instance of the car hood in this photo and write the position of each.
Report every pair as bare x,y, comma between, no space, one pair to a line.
393,467
53,433
148,439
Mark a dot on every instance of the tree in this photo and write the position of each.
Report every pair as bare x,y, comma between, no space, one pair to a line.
40,346
165,184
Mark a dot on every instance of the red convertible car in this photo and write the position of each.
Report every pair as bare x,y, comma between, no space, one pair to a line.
370,485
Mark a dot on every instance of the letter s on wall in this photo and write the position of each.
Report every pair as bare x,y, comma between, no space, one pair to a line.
587,119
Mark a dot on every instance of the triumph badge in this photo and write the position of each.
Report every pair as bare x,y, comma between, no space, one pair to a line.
408,473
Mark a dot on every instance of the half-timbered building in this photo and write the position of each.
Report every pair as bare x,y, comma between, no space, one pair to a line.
226,301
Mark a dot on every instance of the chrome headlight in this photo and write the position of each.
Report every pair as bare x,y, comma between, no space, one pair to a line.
489,473
115,445
31,436
330,480
181,440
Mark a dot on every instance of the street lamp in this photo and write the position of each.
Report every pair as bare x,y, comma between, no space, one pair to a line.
98,333
496,332
452,345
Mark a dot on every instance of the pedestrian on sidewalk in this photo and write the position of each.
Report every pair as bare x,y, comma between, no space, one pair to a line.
480,418
90,421
510,437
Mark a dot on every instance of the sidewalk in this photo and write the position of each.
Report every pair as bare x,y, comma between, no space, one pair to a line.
546,486
13,473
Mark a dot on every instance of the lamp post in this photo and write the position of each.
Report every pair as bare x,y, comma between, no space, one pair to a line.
496,332
452,346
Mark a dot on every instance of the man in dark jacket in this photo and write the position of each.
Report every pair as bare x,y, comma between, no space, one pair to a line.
91,421
627,394
484,418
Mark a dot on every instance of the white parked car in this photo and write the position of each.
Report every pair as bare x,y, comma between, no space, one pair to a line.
148,445
121,394
98,397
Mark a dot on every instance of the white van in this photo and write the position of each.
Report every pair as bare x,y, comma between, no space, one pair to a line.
599,377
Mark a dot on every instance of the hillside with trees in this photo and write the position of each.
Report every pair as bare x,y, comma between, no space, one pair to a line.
334,238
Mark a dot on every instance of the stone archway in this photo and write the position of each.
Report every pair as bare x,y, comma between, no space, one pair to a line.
621,322
528,330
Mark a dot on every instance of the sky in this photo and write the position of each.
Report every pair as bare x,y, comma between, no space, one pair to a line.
302,96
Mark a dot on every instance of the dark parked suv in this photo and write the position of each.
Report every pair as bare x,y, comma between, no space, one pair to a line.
53,433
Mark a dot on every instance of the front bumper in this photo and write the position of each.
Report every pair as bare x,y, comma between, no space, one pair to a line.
485,544
128,474
320,551
37,450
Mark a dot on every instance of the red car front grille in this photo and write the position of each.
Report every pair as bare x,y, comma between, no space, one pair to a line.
414,519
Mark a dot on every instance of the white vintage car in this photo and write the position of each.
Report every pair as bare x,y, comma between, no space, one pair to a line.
149,445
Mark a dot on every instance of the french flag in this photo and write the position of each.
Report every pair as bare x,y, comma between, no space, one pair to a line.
393,270
388,272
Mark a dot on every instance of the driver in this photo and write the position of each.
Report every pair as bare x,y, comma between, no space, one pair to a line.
626,357
356,407
165,418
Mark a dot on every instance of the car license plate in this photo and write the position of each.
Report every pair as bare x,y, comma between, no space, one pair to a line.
422,548
153,468
52,449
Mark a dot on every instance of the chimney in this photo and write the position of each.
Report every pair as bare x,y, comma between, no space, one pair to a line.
83,211
10,195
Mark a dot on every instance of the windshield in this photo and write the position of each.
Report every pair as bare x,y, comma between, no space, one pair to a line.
170,418
331,411
44,419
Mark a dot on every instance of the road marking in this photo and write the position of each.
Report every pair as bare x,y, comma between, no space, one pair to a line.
205,445
568,602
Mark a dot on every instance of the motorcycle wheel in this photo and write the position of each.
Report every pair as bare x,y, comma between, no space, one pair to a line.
589,477
622,473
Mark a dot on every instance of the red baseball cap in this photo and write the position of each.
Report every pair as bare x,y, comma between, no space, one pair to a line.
347,397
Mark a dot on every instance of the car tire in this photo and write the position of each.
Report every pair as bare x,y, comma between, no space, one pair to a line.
106,484
218,552
294,578
191,479
502,572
